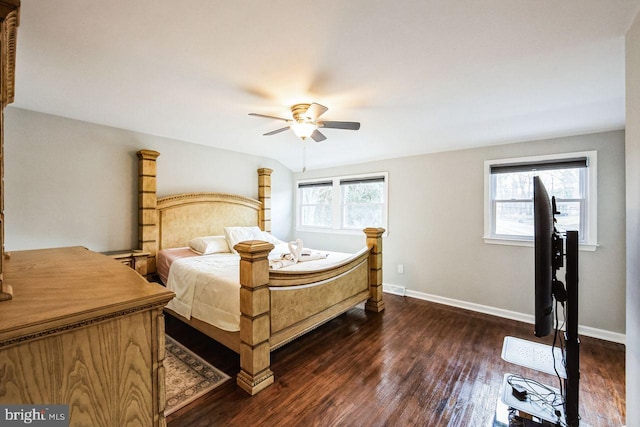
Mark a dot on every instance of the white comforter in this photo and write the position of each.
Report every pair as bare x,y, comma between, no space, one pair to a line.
207,287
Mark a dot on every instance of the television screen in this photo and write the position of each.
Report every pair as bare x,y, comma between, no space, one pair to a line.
543,237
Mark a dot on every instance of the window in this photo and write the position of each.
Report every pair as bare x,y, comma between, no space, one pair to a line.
570,177
362,202
316,204
349,203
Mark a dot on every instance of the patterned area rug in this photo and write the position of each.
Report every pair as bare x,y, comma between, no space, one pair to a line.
187,376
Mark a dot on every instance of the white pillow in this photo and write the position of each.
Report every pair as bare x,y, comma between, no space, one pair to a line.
209,245
268,237
236,235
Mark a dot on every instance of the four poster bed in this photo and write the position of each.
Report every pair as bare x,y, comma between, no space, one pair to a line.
275,305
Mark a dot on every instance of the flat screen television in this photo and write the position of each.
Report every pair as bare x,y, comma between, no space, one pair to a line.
550,248
543,243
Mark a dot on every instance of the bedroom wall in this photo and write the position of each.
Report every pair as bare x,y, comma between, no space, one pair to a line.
436,226
633,218
71,183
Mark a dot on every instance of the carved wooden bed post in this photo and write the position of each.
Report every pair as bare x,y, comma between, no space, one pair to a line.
147,202
9,16
255,325
264,195
374,242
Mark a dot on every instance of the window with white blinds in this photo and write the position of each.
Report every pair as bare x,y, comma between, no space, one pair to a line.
349,203
570,178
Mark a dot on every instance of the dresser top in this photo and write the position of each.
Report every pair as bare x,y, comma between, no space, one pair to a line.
62,287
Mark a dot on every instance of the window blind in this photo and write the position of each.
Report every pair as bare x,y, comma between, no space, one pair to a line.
365,180
315,184
578,162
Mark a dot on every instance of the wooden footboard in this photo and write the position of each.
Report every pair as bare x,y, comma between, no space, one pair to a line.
279,306
301,302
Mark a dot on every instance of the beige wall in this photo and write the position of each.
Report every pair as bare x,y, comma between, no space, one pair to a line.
633,220
71,183
436,226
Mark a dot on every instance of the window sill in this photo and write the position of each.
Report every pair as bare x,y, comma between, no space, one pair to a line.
588,247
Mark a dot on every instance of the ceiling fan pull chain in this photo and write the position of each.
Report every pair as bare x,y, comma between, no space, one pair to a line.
304,155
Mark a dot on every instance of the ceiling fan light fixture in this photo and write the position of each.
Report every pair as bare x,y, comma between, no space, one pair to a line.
303,129
305,122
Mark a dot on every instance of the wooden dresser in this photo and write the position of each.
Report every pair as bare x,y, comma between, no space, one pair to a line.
83,330
133,258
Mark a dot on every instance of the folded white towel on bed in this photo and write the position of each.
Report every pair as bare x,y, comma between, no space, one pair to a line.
306,255
295,257
296,249
276,264
297,254
288,257
312,256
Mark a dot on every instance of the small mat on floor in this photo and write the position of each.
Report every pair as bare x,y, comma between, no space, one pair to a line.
187,376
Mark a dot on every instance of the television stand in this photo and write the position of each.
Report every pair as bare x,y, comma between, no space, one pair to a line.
539,411
533,355
538,357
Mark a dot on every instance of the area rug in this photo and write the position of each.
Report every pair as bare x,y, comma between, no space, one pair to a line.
187,376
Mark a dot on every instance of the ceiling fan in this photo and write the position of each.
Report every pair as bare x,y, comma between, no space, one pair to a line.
305,122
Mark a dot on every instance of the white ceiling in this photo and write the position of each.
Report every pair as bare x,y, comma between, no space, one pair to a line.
420,75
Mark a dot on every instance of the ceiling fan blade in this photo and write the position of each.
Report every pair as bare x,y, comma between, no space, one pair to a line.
268,117
318,136
273,132
340,125
315,110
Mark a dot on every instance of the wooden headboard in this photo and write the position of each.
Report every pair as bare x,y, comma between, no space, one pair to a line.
170,222
185,216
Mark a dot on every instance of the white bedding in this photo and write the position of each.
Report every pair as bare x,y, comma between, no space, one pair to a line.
207,287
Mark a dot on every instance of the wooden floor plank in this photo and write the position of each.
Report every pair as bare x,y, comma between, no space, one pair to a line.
416,364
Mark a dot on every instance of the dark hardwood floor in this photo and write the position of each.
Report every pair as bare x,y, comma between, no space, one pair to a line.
416,364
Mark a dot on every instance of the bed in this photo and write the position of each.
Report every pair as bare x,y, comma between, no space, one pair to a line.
276,305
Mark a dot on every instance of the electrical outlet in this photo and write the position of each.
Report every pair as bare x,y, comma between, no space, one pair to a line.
400,269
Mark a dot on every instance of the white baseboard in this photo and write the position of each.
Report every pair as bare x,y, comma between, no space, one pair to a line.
499,312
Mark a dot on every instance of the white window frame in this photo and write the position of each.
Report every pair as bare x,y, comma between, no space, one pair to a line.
336,199
588,242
